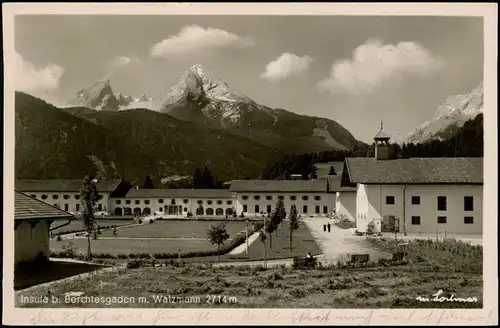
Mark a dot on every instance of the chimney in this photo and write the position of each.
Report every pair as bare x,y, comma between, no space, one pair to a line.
382,144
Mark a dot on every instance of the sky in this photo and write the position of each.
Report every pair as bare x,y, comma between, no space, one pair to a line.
356,70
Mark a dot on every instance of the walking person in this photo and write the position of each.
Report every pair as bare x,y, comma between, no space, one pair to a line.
329,226
324,227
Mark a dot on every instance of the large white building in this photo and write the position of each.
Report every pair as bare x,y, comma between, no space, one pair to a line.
310,197
421,195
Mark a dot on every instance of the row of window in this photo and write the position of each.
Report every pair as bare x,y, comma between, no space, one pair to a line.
172,202
415,220
441,202
64,196
257,197
304,209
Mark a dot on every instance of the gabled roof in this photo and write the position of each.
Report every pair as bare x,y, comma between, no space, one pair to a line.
442,170
334,184
278,186
179,193
382,135
60,185
26,207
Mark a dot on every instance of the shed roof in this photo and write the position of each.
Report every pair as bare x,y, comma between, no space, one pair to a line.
26,207
279,186
61,185
334,184
442,170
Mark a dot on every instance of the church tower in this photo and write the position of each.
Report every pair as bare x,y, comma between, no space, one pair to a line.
382,144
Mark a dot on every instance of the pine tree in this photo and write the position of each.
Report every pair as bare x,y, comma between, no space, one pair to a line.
197,179
294,222
332,171
148,183
88,199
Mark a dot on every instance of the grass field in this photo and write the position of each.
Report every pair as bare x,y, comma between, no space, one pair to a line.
78,224
138,245
175,229
257,287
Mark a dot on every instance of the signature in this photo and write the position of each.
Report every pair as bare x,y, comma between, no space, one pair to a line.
438,298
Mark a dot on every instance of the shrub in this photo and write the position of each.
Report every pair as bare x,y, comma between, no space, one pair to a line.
59,238
139,221
151,221
133,264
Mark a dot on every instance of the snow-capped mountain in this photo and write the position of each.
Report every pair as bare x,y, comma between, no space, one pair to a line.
201,97
452,113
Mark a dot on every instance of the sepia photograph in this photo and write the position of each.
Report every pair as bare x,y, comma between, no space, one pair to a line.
237,161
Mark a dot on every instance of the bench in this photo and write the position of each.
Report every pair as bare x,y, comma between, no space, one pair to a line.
360,258
304,262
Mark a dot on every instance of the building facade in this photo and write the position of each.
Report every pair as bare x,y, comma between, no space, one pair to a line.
416,195
32,221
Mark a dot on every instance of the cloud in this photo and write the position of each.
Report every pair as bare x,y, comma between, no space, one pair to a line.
374,63
32,79
121,61
194,39
285,66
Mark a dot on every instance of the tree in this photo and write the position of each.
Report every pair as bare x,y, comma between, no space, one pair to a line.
270,227
148,183
197,179
294,223
88,199
332,171
280,212
217,235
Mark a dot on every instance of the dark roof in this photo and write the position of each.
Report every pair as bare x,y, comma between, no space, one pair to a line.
334,184
382,135
278,186
179,193
63,185
26,207
442,170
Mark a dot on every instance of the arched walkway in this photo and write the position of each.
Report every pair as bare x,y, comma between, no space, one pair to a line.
210,211
137,211
219,211
127,211
199,211
118,211
146,211
229,211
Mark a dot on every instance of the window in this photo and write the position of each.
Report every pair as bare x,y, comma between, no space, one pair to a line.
66,196
77,207
304,209
325,209
244,208
44,196
281,197
146,201
127,201
229,202
66,207
55,205
257,209
77,196
160,201
245,197
415,200
468,203
268,208
185,209
305,198
99,207
415,220
137,201
441,219
317,209
118,202
219,202
293,197
209,202
389,200
269,197
34,196
172,202
317,197
468,220
160,209
200,202
186,201
256,197
55,196
99,197
441,203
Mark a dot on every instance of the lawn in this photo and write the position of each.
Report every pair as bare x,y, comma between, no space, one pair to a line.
176,229
137,245
257,287
78,224
302,243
